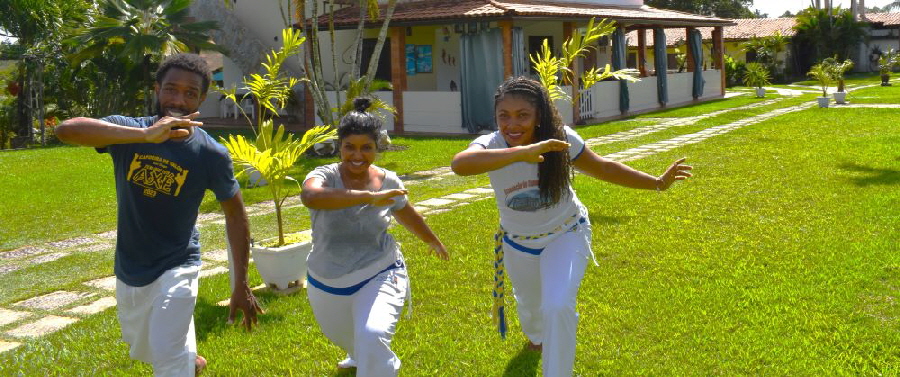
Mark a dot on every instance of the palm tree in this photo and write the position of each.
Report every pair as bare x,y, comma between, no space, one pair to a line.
143,31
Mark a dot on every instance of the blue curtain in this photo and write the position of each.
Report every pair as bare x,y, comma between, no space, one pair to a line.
618,62
661,63
520,60
481,72
696,42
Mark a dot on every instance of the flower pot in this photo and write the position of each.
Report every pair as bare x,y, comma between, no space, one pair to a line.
760,92
281,266
823,101
840,97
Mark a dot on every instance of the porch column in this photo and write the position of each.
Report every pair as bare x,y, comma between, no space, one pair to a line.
398,73
569,29
506,31
642,51
691,64
719,53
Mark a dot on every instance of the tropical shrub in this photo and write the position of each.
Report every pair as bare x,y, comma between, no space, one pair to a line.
756,75
824,74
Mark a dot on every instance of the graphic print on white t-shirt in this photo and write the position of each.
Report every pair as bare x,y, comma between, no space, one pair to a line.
524,196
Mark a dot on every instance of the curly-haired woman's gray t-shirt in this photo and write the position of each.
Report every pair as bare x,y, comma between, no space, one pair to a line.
350,239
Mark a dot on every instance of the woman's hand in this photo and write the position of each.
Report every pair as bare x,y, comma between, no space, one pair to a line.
385,197
533,153
676,172
440,250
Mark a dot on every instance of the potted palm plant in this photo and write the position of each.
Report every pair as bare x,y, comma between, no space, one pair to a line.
823,73
281,260
886,63
839,69
757,76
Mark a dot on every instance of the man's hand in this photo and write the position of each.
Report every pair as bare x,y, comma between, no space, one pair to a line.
242,299
533,153
385,197
171,127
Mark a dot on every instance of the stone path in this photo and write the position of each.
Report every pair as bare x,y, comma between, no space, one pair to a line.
51,312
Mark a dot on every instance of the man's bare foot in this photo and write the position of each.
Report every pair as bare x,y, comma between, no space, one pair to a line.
200,365
534,347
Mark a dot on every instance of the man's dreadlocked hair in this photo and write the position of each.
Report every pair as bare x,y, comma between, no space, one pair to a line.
555,172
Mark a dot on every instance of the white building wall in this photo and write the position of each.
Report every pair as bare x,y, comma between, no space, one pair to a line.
713,85
642,95
680,87
436,112
386,96
606,99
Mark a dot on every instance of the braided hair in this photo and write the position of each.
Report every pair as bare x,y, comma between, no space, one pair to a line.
359,121
555,172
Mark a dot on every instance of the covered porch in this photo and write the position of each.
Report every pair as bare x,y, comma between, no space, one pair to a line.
445,59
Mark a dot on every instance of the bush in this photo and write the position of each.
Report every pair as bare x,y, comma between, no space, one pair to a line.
734,71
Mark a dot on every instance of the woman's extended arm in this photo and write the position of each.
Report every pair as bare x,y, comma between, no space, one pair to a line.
476,159
592,164
316,196
415,223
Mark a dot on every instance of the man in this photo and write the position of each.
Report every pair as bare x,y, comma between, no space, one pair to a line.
163,166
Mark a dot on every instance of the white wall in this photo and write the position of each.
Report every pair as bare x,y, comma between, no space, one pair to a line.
642,95
447,58
681,86
713,85
437,112
386,96
606,99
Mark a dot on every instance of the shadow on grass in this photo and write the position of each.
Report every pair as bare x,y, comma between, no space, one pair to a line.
608,220
524,364
873,176
344,372
210,318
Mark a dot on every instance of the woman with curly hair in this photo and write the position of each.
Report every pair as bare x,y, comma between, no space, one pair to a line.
544,241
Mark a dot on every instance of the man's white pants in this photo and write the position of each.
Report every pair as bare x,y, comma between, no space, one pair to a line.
157,321
545,287
363,323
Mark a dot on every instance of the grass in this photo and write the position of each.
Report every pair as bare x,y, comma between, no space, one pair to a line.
707,107
778,257
877,94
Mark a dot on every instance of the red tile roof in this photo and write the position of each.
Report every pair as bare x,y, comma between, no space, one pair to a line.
746,28
461,10
885,19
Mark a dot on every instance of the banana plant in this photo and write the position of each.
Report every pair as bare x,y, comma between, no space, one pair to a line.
551,68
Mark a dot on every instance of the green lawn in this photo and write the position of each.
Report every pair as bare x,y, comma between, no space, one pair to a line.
780,257
877,94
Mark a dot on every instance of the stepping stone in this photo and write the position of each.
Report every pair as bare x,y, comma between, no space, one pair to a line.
47,258
436,202
72,242
7,269
459,196
439,210
213,271
8,346
111,235
108,283
479,191
53,300
9,316
96,247
43,326
94,307
219,222
204,217
217,255
420,210
22,252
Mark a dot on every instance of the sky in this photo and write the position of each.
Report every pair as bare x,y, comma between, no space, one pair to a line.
775,8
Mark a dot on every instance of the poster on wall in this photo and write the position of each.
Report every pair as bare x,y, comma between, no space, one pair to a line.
423,59
410,59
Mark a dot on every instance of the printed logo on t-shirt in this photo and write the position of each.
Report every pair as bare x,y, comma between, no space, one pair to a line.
156,175
527,200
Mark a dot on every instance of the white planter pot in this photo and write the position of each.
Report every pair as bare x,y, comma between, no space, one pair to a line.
281,266
823,101
760,92
840,97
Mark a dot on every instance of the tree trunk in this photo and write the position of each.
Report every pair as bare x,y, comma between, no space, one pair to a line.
23,118
357,43
382,36
148,101
315,75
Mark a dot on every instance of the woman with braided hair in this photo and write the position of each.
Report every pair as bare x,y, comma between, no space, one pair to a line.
357,277
545,237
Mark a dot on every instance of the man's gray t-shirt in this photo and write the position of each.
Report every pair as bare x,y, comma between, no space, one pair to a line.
350,239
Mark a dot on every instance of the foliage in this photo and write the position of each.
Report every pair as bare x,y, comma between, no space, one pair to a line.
141,33
734,70
888,61
718,8
550,67
824,74
820,35
838,70
756,75
767,50
274,152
